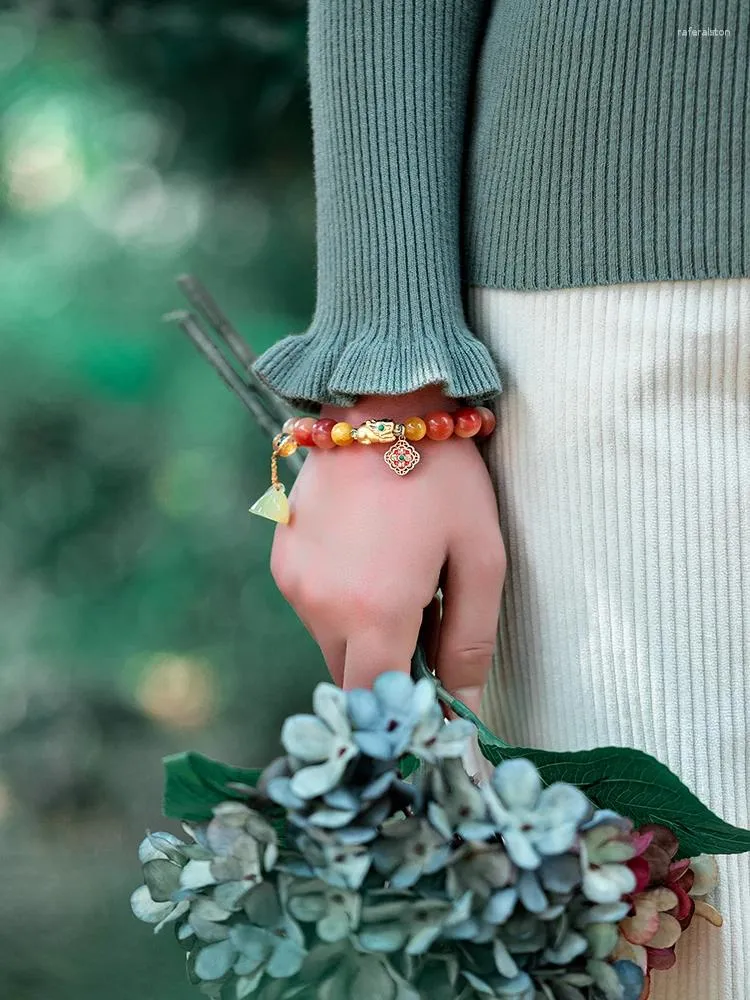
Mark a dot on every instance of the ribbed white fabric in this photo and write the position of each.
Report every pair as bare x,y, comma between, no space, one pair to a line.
622,465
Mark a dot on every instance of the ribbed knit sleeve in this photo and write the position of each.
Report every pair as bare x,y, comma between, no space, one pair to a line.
388,87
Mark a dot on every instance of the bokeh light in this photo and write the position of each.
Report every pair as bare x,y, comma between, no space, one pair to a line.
137,142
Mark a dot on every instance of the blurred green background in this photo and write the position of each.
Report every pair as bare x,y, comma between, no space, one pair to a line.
137,142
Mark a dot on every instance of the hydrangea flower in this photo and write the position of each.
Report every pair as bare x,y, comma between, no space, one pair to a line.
272,944
534,822
456,805
605,846
353,811
322,743
238,844
407,922
163,857
334,911
342,865
399,716
668,894
407,849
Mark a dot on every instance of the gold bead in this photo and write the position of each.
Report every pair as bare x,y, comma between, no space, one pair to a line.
416,429
341,434
287,447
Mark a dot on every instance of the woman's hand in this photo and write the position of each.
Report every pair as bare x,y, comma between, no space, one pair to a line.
365,550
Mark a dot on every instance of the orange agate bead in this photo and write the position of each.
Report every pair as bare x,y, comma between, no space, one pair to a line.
321,433
488,421
287,447
468,422
288,426
439,425
415,429
341,434
303,431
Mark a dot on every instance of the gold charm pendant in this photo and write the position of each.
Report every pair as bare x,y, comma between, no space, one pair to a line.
274,504
402,457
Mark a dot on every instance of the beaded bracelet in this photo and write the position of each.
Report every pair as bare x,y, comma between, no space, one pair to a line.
401,457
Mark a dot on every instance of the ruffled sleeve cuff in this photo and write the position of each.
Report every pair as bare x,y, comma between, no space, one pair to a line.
312,368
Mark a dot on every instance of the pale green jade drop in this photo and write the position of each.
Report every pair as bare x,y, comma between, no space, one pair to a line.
273,505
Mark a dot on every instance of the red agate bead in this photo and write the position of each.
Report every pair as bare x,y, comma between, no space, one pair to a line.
303,431
321,433
468,422
439,425
488,421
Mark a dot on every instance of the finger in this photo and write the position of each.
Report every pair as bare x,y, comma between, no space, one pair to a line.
332,646
474,576
388,646
334,653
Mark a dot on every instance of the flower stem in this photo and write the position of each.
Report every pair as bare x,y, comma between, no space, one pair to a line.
420,668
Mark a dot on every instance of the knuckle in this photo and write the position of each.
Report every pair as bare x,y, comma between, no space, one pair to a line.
377,606
491,561
476,651
468,664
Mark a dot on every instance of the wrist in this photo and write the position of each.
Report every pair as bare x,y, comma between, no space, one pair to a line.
412,404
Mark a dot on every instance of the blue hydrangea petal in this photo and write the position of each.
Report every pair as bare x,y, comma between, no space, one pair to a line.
500,906
606,913
560,802
215,960
424,698
609,817
479,984
421,941
476,830
379,786
382,937
520,849
608,883
318,779
571,946
306,737
364,709
406,875
356,835
279,790
341,798
331,819
329,704
453,738
561,873
286,959
531,893
555,840
631,978
519,988
504,961
394,689
518,783
375,744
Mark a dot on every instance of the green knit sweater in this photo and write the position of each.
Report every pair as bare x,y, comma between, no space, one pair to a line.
517,144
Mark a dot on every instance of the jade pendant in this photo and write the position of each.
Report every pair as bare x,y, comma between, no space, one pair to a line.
273,505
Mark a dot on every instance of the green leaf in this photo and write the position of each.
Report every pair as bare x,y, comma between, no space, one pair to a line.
194,784
629,781
636,785
408,765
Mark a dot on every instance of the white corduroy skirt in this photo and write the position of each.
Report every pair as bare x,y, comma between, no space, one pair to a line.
622,467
